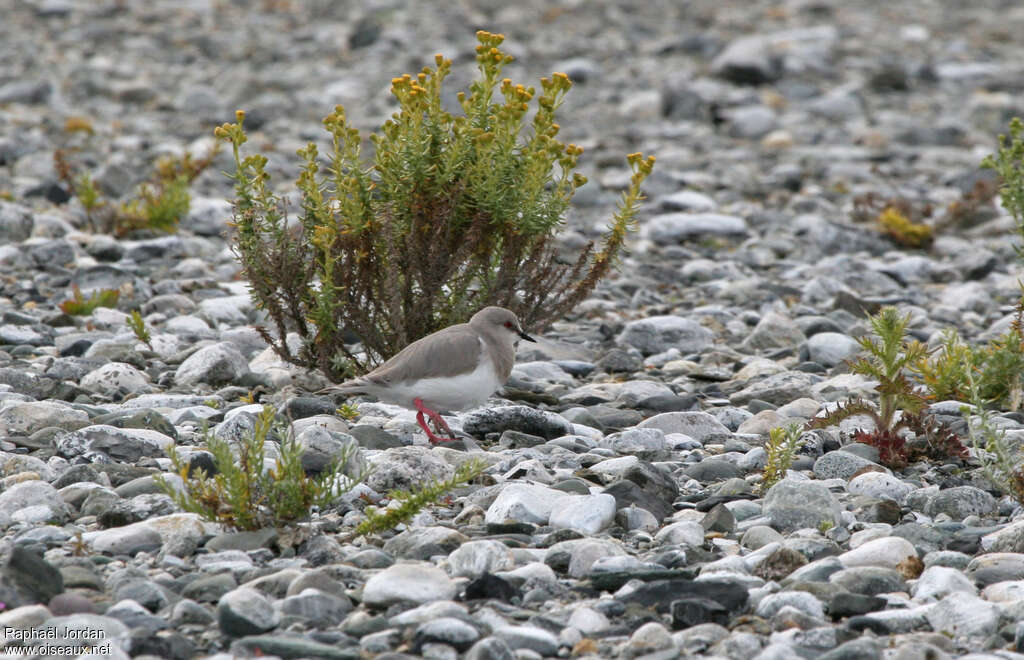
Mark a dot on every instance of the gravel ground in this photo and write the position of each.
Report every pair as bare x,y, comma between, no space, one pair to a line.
621,515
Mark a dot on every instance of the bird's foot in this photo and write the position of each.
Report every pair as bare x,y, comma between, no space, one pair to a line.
439,423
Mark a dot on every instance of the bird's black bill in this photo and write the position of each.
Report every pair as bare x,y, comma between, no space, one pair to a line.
527,337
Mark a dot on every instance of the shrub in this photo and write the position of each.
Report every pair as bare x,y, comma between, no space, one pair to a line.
455,213
79,305
889,357
243,495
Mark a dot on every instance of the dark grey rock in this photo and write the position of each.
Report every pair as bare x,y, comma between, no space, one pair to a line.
711,470
660,594
647,487
209,588
519,418
26,578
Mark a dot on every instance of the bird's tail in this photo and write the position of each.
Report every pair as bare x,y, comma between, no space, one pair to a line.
348,387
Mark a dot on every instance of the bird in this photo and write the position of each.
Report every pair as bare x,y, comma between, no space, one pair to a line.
455,368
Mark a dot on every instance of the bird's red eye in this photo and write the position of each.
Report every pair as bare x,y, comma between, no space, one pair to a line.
508,324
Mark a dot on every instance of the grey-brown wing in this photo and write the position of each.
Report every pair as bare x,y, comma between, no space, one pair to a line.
448,352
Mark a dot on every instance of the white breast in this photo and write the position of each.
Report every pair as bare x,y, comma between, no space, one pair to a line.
452,393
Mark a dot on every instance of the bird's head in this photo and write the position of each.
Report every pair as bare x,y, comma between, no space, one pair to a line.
504,322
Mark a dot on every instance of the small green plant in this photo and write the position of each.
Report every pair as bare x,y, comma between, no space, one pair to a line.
78,125
825,525
138,327
244,495
783,444
413,501
1008,163
89,196
159,204
77,546
944,372
897,226
347,412
455,213
888,357
79,305
996,369
1002,465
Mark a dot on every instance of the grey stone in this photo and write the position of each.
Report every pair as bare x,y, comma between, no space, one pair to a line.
15,222
531,638
995,567
671,228
840,464
447,630
474,558
424,542
696,424
962,614
831,348
32,502
647,443
869,580
319,608
778,388
246,611
656,334
879,485
218,364
408,583
800,600
751,122
961,501
792,505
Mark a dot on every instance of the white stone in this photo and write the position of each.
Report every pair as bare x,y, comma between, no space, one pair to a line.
961,614
408,583
587,514
880,486
888,551
474,558
687,532
937,582
588,620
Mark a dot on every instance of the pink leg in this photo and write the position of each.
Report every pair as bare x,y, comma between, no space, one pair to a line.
436,418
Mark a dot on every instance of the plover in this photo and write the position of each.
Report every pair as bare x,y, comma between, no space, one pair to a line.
453,369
